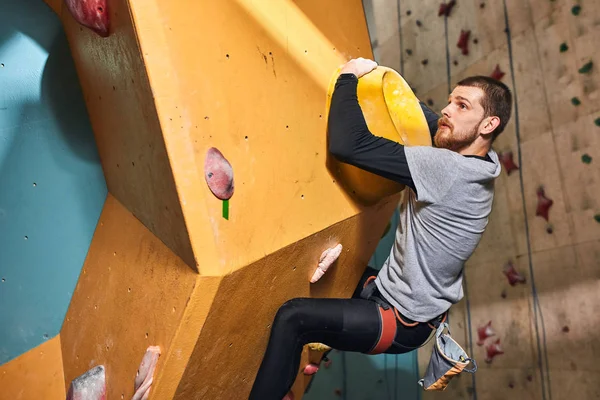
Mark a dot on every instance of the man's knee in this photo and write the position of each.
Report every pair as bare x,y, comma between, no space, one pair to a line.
287,315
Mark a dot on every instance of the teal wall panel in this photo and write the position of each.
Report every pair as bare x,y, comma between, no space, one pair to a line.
52,188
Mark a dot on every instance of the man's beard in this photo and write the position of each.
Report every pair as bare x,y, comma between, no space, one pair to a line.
448,139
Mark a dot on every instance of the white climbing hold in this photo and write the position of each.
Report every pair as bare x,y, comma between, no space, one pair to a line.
327,258
145,374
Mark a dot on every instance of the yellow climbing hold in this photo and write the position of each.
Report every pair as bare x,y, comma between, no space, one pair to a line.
392,111
320,347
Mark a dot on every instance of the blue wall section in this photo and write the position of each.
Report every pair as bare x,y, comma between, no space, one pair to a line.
51,184
365,377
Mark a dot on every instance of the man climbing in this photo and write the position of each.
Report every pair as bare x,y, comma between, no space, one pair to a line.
442,218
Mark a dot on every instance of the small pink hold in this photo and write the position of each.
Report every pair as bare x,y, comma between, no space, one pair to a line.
493,350
92,14
328,363
512,274
311,369
218,174
145,374
497,74
446,9
328,257
484,332
89,386
289,396
544,204
463,41
506,158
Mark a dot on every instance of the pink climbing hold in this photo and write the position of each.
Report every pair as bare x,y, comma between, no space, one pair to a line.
512,274
145,374
328,363
463,41
484,332
289,396
218,174
544,204
446,9
92,14
497,74
89,386
493,350
311,369
506,158
327,258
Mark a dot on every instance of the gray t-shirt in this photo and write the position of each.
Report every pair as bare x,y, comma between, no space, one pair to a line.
438,231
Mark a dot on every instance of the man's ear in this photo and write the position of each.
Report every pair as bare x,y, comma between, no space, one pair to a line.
488,125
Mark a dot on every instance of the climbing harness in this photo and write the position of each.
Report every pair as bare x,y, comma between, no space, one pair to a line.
447,360
388,316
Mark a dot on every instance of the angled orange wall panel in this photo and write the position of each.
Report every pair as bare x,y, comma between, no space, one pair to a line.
37,374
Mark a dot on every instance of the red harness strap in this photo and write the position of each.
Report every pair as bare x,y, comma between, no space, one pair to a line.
388,331
388,327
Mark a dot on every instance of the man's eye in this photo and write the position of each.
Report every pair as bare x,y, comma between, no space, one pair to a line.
463,106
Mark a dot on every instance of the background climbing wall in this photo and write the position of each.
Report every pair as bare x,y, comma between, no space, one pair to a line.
51,184
544,51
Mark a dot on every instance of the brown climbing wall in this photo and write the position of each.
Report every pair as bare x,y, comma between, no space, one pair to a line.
133,292
551,46
169,82
36,374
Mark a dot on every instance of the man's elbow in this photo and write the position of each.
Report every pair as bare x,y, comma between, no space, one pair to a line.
338,150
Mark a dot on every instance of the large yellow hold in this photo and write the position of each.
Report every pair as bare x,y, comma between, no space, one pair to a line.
392,111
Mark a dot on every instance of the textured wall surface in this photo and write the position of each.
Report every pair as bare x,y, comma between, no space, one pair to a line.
544,48
51,184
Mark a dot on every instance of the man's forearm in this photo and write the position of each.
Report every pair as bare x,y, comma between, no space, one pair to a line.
351,141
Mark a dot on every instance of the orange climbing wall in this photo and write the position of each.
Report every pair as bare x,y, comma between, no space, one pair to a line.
36,374
554,136
165,267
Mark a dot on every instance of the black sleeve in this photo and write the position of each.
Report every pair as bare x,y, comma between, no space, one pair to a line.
432,119
350,140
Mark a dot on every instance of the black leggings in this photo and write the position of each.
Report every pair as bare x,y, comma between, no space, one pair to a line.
343,324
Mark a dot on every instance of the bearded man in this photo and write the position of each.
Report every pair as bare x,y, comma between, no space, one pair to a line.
442,218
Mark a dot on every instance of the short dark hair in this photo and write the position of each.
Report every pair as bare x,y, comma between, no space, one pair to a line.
497,99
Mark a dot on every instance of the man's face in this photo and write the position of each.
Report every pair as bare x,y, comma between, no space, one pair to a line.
462,117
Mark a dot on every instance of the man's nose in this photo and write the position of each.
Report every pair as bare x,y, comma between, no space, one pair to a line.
446,111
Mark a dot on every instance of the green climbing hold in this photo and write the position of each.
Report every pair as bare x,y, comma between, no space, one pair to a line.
597,121
575,101
576,10
597,218
586,68
586,158
564,47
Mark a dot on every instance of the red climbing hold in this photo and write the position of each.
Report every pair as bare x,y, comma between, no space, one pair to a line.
92,14
493,350
497,73
544,204
506,158
311,369
89,386
484,332
463,41
513,276
446,9
218,174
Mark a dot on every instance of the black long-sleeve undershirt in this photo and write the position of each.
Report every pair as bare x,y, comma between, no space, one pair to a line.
350,140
